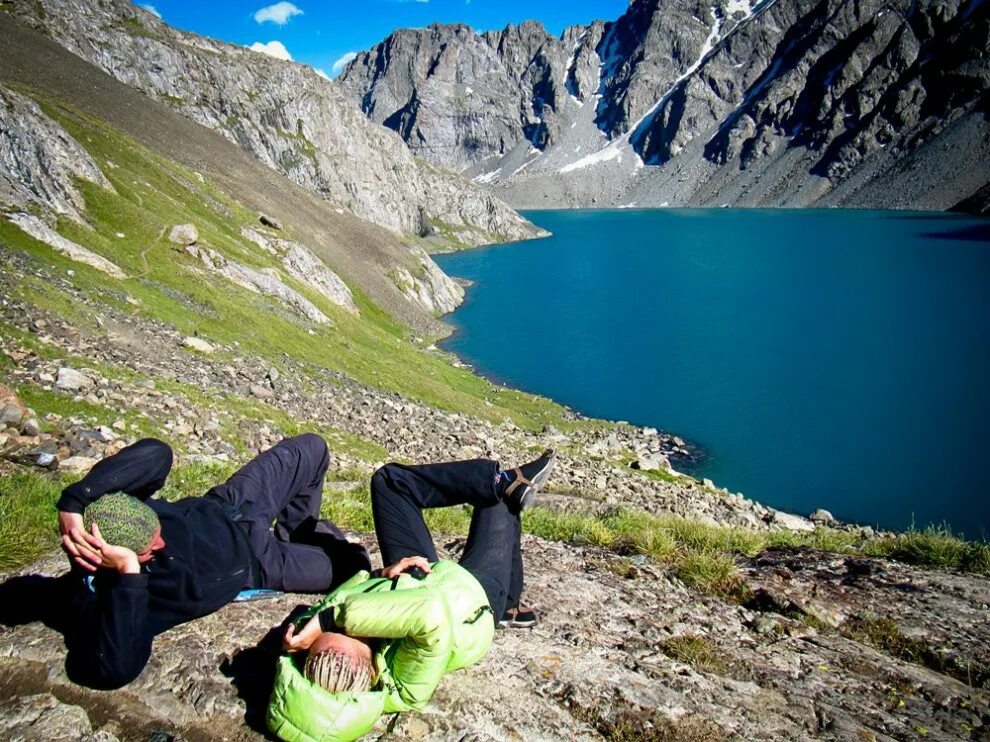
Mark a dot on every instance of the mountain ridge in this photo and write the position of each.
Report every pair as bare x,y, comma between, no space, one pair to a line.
283,113
689,103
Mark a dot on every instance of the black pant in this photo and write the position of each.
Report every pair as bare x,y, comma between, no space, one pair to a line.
284,486
492,554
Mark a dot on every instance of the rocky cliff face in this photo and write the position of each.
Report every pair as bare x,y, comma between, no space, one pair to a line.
39,160
683,102
285,114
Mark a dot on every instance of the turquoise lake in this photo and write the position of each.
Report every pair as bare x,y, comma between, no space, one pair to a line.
835,359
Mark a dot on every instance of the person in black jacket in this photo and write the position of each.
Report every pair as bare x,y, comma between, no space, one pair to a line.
205,551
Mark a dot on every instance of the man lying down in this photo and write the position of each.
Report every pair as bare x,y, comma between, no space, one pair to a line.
380,643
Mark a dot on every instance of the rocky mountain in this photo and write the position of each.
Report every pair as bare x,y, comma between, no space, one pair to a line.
285,114
689,102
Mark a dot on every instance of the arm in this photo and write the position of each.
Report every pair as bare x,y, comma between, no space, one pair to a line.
139,470
111,642
419,619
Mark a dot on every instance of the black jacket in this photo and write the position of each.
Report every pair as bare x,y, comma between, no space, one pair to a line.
206,561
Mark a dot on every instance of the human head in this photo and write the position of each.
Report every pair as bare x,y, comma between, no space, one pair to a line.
126,521
338,662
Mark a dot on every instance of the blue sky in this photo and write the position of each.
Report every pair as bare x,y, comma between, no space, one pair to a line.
322,33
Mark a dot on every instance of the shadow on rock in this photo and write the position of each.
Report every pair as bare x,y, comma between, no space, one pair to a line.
29,598
252,672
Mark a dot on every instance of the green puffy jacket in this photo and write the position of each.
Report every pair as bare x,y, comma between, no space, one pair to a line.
428,627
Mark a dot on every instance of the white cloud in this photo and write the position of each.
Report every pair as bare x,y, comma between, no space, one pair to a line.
279,13
272,49
339,65
152,9
321,72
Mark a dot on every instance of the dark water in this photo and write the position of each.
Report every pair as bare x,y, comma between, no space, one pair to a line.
818,358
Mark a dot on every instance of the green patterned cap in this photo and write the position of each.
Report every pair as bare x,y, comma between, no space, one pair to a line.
123,521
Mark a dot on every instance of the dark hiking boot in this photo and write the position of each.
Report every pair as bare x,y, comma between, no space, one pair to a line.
519,618
519,486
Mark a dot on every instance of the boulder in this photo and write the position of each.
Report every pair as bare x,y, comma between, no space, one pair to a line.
651,462
70,380
11,415
261,392
198,344
823,517
792,522
184,235
77,464
31,426
270,222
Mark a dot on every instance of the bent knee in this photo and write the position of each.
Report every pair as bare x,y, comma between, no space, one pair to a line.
311,442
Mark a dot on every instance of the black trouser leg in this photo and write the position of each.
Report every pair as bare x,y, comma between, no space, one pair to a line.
400,493
284,484
492,554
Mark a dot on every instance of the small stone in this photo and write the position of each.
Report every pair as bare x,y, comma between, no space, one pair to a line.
256,390
708,483
47,461
198,344
71,380
10,415
120,424
184,235
31,427
678,441
77,464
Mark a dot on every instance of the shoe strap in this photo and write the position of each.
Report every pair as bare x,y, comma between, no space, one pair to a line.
520,479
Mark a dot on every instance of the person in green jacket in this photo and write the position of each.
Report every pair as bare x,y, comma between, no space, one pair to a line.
381,643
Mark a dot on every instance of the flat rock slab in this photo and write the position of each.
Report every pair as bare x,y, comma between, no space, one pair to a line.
602,662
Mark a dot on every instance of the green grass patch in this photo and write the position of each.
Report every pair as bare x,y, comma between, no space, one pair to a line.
935,546
168,285
696,651
28,527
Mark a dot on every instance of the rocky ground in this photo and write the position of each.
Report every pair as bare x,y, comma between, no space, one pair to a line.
624,651
815,645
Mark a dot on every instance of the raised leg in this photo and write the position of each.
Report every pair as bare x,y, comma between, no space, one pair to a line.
284,484
400,493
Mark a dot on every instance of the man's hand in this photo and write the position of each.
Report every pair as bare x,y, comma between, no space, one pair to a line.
74,543
301,642
91,551
404,565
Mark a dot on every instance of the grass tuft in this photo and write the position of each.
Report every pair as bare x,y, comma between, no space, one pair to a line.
696,651
27,518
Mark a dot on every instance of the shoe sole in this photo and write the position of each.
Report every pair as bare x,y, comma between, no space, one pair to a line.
538,481
517,624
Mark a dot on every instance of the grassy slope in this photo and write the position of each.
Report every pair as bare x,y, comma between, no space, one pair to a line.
152,194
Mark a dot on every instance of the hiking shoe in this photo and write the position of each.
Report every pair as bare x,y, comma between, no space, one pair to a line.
519,618
525,480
